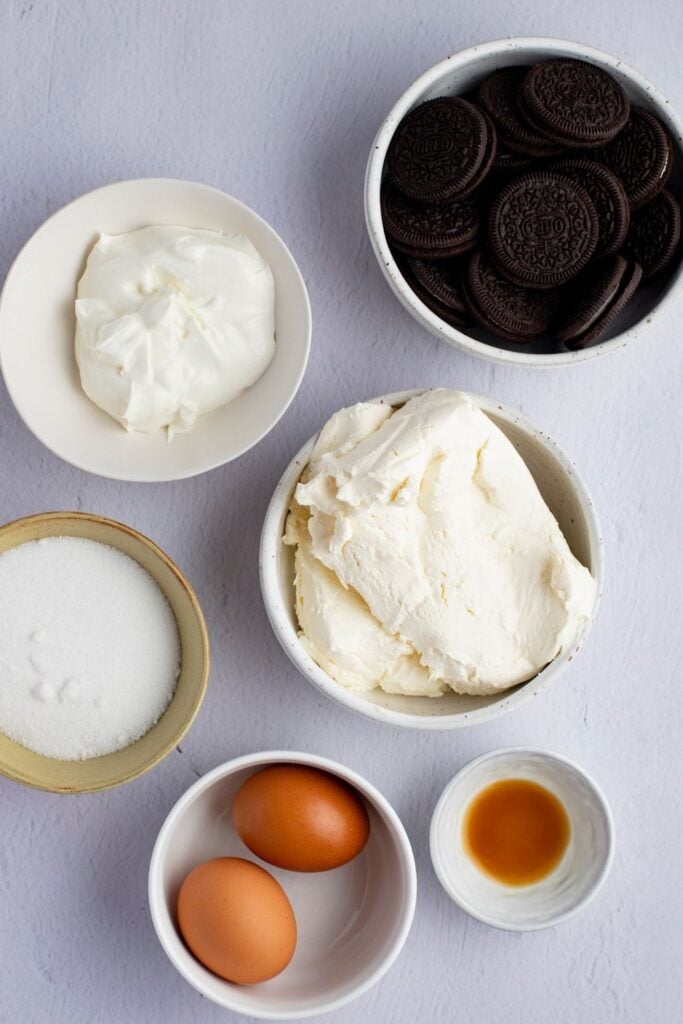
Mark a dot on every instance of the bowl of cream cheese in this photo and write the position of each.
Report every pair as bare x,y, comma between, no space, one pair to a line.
431,559
169,332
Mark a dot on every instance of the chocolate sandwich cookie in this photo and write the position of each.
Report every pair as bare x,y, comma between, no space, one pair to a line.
542,230
441,279
560,143
429,230
438,150
508,311
507,161
498,97
490,152
596,298
608,197
438,285
654,234
573,102
641,156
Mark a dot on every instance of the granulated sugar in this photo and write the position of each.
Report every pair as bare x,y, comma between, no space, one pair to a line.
89,648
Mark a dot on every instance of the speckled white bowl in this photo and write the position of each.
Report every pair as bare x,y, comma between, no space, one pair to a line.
352,922
459,74
564,493
575,881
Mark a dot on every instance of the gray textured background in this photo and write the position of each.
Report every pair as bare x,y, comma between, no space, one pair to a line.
277,103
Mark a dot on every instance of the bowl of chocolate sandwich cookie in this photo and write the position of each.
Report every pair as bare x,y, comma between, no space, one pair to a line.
523,200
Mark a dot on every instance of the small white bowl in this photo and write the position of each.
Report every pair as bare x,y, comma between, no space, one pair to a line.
567,498
37,328
575,881
457,75
352,922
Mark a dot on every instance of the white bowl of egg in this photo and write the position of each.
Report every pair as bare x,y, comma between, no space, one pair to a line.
282,885
431,559
522,839
154,329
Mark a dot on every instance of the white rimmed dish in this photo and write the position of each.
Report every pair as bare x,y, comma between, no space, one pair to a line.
37,335
459,74
352,922
575,881
566,496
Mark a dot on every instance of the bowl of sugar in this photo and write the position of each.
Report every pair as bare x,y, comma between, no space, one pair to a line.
104,653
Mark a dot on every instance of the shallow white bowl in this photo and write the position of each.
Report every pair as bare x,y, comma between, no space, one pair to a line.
567,498
37,328
459,74
352,922
574,882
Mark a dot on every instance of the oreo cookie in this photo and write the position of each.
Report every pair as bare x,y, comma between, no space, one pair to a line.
437,286
654,234
574,102
508,311
608,197
429,230
438,150
441,281
641,156
542,230
490,152
507,161
498,97
597,297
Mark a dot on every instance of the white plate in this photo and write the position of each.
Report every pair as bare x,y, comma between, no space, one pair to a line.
352,922
37,335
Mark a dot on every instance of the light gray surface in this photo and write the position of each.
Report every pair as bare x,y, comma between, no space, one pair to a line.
277,103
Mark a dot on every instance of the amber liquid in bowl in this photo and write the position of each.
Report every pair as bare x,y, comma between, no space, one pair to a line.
516,831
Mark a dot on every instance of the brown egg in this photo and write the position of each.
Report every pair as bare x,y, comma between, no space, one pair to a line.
236,919
300,818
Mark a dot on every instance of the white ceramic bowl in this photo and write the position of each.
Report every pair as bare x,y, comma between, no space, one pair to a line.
574,882
459,74
37,335
564,493
352,922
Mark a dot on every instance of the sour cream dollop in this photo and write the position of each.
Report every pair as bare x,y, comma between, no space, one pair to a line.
172,322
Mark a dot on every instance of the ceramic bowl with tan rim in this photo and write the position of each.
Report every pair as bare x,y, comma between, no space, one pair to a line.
104,772
460,74
565,495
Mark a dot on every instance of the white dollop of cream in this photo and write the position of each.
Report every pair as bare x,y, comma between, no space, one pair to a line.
426,558
172,323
